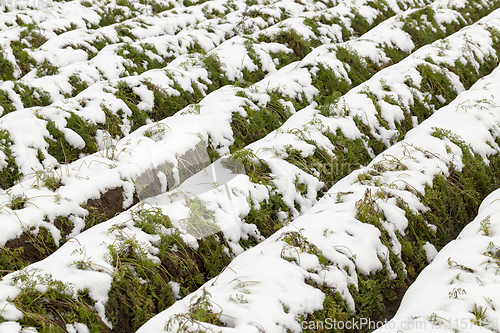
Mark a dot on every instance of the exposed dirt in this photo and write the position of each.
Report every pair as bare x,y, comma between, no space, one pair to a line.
110,203
34,247
123,321
30,248
64,225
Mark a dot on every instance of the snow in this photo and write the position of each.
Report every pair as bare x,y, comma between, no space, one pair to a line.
448,293
330,225
253,293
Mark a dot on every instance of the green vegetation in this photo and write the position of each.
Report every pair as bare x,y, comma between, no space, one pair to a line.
258,123
6,68
139,58
77,83
9,174
58,307
32,96
142,287
46,68
132,302
453,202
61,149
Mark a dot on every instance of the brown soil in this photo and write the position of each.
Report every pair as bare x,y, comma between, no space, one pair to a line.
110,203
30,248
34,247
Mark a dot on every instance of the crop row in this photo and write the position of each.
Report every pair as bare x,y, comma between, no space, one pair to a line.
354,253
57,66
116,108
286,173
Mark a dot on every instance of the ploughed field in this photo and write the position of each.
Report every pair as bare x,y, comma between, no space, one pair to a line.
250,166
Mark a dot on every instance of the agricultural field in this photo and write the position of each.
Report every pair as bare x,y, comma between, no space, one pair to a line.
251,166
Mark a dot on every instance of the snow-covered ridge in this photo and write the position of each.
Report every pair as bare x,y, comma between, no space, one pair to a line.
457,292
120,163
184,74
163,38
253,293
297,118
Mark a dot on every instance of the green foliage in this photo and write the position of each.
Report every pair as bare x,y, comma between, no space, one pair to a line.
266,216
334,308
256,75
256,169
32,35
385,11
10,261
367,211
189,3
423,28
201,221
395,54
49,178
360,69
329,168
33,245
438,83
141,287
32,96
139,57
131,301
23,59
99,43
377,294
200,311
291,39
376,103
258,123
61,149
315,23
479,313
6,103
349,155
34,39
476,9
166,105
113,122
124,30
296,243
94,217
495,35
49,311
330,85
110,16
85,129
151,220
470,73
157,6
77,83
9,174
376,145
126,94
215,71
46,68
485,226
6,68
454,200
